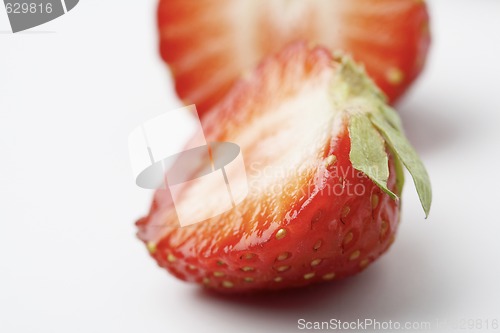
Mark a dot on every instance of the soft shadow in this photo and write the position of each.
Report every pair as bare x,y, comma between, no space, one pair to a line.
434,124
391,289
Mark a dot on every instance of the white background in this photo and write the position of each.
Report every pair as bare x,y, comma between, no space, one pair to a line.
73,89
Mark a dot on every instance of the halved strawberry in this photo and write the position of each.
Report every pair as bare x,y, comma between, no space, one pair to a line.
322,152
208,44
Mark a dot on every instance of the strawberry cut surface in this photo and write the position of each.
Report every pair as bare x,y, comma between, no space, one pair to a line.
209,44
323,198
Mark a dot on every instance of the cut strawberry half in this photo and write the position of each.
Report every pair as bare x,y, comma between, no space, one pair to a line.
208,44
323,156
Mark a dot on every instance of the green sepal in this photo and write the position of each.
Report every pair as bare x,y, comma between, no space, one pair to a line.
368,153
400,173
374,127
405,152
392,117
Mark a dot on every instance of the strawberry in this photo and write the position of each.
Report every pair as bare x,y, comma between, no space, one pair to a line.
324,171
208,44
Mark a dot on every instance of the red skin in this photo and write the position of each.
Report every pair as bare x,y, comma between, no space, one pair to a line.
322,209
208,45
321,219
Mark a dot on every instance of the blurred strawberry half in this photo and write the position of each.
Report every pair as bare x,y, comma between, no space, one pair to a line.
324,157
208,44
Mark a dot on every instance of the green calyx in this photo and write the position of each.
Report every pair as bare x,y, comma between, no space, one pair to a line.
374,129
